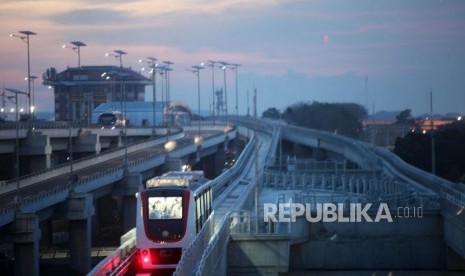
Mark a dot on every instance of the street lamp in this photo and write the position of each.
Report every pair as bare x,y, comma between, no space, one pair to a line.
33,107
167,70
196,70
110,76
16,92
153,73
25,37
119,55
223,67
234,67
211,64
77,48
122,77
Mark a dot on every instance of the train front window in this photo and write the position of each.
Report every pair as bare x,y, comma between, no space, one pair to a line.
161,208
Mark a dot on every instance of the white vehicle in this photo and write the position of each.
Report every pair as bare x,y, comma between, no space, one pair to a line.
171,210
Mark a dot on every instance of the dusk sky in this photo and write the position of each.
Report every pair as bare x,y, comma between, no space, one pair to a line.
290,50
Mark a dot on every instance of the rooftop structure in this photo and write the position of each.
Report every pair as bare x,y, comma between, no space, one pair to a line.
79,90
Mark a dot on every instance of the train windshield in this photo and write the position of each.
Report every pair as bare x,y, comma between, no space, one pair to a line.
107,118
161,208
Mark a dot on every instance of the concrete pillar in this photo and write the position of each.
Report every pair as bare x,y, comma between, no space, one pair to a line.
26,244
96,219
129,213
38,150
127,188
46,233
80,209
173,164
87,142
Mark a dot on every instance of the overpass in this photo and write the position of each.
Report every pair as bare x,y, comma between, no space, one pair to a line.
29,201
355,173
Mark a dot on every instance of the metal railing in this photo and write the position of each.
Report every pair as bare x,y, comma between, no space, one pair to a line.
117,261
195,251
114,263
60,193
82,163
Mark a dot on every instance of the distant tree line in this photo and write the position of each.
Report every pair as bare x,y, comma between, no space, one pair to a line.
449,140
341,118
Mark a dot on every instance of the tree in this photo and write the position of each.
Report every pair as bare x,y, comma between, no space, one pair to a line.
405,117
339,118
415,149
272,113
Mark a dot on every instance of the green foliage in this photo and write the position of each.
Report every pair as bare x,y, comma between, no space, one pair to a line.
415,149
342,118
405,118
272,113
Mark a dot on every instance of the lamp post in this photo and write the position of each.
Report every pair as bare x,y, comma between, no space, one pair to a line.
25,37
211,64
223,67
110,76
196,70
153,73
119,56
234,67
122,77
33,107
77,48
16,92
167,70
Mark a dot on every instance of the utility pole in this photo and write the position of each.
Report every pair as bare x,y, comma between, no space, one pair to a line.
433,151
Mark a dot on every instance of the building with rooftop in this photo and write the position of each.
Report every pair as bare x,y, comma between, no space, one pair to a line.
79,90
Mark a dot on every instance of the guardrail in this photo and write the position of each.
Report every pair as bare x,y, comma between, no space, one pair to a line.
195,252
60,193
114,263
82,163
208,263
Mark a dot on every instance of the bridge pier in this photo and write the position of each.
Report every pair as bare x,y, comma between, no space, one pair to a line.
79,213
173,164
127,189
87,142
38,150
26,244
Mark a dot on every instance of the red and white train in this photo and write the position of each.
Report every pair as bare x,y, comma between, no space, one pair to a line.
171,210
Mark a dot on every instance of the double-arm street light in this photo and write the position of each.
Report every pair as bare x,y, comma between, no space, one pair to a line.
234,67
119,55
196,70
153,72
166,71
33,107
77,48
211,64
16,92
25,37
224,66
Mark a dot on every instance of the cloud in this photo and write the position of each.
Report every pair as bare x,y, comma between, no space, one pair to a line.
91,17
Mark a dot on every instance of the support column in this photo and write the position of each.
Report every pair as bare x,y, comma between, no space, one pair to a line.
87,142
26,244
80,210
37,148
127,188
173,164
46,233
